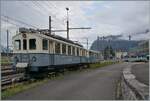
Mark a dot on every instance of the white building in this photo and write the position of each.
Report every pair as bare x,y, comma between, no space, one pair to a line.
120,54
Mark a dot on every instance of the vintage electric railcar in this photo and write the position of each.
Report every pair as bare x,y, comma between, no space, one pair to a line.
39,50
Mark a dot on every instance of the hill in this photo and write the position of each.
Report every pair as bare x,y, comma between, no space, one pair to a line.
123,45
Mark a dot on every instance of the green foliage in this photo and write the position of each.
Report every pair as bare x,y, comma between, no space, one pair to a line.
101,64
109,52
5,60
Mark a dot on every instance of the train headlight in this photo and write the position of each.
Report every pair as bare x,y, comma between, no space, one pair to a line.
33,58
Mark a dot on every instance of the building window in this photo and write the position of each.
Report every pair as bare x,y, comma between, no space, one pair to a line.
24,44
63,48
17,44
32,44
57,48
45,44
69,50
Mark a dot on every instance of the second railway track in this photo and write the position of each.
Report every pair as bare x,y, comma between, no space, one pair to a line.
10,76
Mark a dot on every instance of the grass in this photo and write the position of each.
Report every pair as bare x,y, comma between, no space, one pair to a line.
5,60
30,84
16,88
101,64
20,87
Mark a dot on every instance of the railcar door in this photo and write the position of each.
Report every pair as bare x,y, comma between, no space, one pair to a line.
25,55
51,53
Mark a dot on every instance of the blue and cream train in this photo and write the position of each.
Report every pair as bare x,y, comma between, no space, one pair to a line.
39,50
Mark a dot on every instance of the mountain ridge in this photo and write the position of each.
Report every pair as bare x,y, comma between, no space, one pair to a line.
117,45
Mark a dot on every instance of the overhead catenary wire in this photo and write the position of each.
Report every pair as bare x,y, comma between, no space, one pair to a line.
47,12
10,22
54,6
19,21
38,6
43,10
33,6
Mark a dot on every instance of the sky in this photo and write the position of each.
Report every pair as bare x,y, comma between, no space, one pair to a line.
104,17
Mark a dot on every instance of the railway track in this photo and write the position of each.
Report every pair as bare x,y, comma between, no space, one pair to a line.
10,76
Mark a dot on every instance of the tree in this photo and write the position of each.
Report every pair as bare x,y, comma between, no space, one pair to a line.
109,53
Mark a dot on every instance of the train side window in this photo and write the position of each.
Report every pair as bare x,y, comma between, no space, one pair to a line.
77,51
45,44
69,50
18,44
51,47
73,50
24,44
63,48
90,53
32,44
57,48
80,52
83,52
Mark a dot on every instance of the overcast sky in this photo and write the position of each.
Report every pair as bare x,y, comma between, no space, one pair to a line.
104,17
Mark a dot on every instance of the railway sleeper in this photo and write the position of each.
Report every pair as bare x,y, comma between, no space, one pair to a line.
12,80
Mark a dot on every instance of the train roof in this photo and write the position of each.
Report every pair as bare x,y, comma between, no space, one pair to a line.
94,51
46,32
63,39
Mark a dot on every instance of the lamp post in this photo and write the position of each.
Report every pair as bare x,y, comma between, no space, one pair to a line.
67,23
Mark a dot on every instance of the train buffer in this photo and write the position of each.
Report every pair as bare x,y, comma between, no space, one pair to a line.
21,65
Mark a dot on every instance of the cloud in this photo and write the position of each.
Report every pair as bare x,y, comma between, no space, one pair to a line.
127,17
105,17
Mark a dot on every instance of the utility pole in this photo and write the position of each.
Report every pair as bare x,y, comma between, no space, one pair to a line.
68,28
97,43
50,25
87,43
129,37
109,47
7,41
67,23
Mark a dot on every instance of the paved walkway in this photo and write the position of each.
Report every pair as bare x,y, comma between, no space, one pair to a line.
141,71
98,84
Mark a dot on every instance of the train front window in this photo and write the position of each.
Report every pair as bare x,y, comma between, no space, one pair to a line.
17,44
24,44
45,44
32,44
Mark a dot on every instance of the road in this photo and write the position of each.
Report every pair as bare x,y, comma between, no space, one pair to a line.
97,84
141,71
